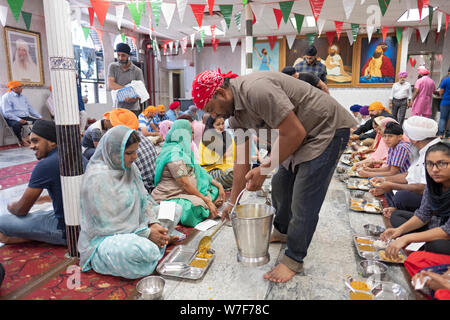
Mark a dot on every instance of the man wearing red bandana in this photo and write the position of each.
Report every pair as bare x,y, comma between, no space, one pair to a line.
312,130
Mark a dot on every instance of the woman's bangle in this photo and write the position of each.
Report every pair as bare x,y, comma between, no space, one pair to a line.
228,203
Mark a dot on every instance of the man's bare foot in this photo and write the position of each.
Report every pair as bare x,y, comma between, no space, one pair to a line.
280,273
11,240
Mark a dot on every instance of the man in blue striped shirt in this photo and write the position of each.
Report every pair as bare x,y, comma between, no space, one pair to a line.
311,64
17,110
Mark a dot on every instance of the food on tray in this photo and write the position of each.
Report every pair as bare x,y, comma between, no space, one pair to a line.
360,285
372,207
350,186
198,263
204,254
363,247
356,208
380,244
364,182
383,256
362,240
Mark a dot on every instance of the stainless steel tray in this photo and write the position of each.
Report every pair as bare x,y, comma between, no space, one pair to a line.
375,254
358,184
176,263
366,205
380,290
347,160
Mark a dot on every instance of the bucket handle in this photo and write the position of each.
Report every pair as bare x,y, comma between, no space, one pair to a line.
232,214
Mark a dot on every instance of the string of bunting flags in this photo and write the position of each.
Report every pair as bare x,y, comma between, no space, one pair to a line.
137,8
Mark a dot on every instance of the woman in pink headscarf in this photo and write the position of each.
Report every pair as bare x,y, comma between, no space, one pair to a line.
164,127
423,94
198,127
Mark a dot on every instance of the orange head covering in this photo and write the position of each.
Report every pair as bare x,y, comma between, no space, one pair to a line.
107,115
161,107
50,87
124,117
14,84
148,110
377,105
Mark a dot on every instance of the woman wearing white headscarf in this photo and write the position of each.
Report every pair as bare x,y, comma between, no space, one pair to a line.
23,67
120,234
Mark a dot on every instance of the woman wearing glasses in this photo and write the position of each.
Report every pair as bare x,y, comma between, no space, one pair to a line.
430,223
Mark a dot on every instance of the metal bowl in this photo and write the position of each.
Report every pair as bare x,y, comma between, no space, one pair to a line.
151,288
341,170
374,230
373,268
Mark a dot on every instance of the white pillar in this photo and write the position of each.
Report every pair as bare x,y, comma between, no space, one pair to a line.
63,77
404,50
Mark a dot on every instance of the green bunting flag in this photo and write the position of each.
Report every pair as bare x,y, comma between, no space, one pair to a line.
286,7
355,30
227,11
310,37
156,10
430,15
399,31
86,31
124,37
137,11
202,37
237,19
27,18
16,8
384,4
299,21
199,45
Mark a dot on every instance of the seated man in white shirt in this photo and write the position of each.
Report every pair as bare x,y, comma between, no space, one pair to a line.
400,98
17,111
409,186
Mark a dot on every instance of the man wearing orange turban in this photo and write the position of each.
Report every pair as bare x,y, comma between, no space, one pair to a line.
147,126
161,115
17,110
365,132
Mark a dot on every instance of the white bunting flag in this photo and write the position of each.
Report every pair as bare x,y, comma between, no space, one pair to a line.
409,32
168,10
320,25
424,32
170,46
119,15
370,32
192,40
290,40
258,10
350,36
348,7
184,43
3,15
233,43
439,18
181,5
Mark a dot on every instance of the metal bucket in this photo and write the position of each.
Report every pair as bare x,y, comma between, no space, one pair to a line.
252,225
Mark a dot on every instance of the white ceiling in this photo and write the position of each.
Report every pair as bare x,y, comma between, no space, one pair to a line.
332,10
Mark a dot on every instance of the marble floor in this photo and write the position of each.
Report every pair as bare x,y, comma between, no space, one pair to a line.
331,255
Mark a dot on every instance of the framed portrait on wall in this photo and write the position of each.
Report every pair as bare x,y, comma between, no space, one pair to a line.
266,59
338,58
24,58
378,62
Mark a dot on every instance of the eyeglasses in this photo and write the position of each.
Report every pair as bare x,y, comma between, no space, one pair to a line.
440,164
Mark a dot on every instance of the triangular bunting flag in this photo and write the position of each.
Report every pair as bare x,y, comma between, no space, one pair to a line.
27,19
120,9
213,32
124,38
258,10
446,22
177,44
99,34
424,30
197,10
237,20
227,11
310,37
210,7
370,32
170,46
168,9
286,7
137,9
86,31
440,14
101,9
3,15
233,43
348,7
16,8
254,18
355,31
350,36
384,31
420,7
91,15
316,7
272,40
320,24
398,33
199,45
156,10
338,25
215,43
299,18
184,43
430,15
383,5
181,5
409,32
290,40
202,37
254,40
278,16
330,36
192,40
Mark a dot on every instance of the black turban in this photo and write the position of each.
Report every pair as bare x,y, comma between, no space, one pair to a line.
288,70
45,129
311,51
123,47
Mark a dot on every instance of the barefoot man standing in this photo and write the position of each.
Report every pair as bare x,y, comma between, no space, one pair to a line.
312,132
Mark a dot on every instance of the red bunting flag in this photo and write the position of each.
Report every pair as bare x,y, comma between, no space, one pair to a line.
254,18
91,15
215,43
99,34
210,7
316,7
197,10
213,32
420,5
101,9
278,16
272,40
330,37
446,22
384,31
338,25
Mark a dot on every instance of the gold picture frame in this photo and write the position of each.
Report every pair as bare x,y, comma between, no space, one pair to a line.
24,56
364,54
277,55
